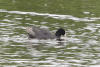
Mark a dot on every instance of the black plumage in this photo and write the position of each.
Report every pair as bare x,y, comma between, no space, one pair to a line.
36,32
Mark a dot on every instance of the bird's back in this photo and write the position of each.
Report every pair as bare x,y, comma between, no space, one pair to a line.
39,33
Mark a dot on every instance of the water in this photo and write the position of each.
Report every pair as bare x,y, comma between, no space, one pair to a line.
80,19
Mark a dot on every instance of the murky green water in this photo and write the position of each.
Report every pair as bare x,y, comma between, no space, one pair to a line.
80,19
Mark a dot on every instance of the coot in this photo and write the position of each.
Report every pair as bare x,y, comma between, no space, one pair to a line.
36,32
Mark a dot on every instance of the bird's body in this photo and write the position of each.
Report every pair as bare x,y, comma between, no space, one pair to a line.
36,32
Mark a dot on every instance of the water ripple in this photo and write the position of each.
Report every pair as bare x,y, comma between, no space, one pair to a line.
55,16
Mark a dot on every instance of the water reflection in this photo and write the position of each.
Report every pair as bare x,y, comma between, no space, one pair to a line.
55,16
80,48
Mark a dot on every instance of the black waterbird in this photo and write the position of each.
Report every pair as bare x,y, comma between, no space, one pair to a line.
36,32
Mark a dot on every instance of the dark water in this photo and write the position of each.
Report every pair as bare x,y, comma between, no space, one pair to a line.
80,19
